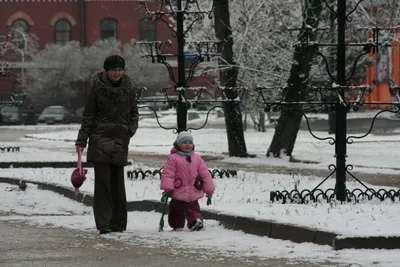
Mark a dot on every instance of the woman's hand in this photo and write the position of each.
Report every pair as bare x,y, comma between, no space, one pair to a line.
79,149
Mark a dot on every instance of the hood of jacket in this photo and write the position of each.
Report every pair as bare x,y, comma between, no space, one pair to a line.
103,85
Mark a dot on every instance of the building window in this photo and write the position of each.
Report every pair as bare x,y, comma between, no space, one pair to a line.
19,30
62,30
108,29
148,30
20,24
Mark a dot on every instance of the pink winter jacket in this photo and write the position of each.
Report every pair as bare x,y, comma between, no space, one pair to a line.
179,176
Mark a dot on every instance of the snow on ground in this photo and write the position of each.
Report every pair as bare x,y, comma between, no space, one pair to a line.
362,153
367,114
37,202
142,229
248,195
34,154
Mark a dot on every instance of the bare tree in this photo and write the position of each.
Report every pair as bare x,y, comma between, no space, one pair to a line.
262,47
94,55
264,55
144,73
60,71
228,77
56,69
19,46
289,121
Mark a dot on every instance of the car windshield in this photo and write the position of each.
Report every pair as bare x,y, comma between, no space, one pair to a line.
53,110
9,109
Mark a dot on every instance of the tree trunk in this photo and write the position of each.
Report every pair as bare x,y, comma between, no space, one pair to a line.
228,76
261,124
289,121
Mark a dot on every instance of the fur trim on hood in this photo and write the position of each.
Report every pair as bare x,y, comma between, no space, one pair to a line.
104,86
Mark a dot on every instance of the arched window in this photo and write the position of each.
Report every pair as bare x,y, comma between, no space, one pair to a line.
62,31
19,30
147,29
20,24
108,29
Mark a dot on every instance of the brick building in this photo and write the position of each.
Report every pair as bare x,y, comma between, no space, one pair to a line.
60,21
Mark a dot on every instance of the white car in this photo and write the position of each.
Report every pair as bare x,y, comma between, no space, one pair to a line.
55,114
10,115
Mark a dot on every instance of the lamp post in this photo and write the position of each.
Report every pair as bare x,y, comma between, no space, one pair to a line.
199,51
180,36
180,11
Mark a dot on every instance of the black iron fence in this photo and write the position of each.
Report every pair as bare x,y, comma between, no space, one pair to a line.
147,173
339,91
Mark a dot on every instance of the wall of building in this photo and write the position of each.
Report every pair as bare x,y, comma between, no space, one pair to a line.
41,16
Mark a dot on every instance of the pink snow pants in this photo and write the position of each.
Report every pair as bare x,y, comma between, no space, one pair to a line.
181,210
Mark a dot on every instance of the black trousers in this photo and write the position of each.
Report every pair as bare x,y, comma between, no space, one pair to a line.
109,197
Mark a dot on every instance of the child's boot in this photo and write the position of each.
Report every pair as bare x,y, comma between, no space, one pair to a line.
197,225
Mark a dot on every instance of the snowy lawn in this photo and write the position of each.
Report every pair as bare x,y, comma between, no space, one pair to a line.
248,195
364,154
35,154
142,230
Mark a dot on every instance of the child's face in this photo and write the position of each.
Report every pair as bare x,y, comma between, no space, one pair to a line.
186,146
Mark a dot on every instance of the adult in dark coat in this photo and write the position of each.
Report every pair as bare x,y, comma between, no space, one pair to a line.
30,116
110,119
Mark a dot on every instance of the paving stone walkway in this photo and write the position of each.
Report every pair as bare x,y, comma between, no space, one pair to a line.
24,245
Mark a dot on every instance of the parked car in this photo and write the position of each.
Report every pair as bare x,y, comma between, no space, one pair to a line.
76,116
10,115
192,115
55,114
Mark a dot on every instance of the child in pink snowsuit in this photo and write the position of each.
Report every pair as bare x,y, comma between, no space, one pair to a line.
185,178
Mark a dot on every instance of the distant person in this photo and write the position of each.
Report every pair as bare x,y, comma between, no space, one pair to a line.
30,116
185,178
109,120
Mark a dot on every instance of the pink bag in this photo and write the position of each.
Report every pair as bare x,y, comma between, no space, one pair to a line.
78,176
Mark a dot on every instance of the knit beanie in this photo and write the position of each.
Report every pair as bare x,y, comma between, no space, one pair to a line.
183,136
114,61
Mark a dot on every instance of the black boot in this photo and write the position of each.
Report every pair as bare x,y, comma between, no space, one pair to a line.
117,229
104,231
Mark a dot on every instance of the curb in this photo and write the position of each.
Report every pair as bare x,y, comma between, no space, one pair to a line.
49,164
252,226
43,164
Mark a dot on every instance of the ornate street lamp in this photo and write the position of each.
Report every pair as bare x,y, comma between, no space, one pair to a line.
200,51
180,11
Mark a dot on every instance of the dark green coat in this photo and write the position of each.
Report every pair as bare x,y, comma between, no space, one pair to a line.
110,119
